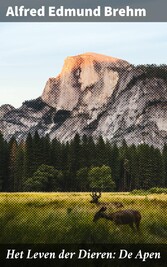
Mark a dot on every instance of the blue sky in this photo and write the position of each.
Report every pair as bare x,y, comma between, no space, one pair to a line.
30,53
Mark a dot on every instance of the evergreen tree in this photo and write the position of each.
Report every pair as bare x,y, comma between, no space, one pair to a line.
134,167
85,162
146,168
65,156
3,163
101,152
75,152
91,152
164,155
115,165
66,181
56,154
82,183
158,171
125,180
12,161
38,157
46,153
19,168
74,160
28,169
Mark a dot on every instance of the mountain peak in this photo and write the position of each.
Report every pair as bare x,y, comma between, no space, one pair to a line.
89,78
89,58
100,57
95,56
96,95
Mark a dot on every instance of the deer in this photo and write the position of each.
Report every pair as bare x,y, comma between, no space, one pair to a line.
120,217
95,199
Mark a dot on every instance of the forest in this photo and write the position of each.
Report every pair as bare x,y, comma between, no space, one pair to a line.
41,165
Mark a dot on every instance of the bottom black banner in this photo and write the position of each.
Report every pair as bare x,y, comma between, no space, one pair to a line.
83,255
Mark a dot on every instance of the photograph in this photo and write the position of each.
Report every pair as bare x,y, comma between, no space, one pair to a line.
83,136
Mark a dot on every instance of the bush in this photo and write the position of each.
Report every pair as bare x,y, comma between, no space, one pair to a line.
153,190
157,190
158,229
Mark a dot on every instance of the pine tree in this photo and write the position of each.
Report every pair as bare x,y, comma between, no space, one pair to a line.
75,154
92,156
164,155
146,168
84,152
56,154
125,180
101,152
12,161
38,157
82,183
28,169
158,171
114,163
3,163
134,167
65,156
19,168
46,150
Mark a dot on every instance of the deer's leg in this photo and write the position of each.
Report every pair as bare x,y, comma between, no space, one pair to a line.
131,226
137,225
117,225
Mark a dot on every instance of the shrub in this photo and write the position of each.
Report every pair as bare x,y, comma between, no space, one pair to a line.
153,190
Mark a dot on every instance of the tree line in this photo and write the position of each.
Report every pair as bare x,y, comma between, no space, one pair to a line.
39,164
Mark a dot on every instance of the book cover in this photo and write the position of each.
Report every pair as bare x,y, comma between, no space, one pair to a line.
83,133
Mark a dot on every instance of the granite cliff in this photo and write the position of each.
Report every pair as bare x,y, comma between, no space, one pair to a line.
96,95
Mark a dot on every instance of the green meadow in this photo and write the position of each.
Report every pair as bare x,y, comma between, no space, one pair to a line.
68,218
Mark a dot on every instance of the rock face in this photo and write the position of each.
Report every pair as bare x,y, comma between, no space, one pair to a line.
95,95
4,109
87,80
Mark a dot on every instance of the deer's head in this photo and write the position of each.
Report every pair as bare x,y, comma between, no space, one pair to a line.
95,197
99,214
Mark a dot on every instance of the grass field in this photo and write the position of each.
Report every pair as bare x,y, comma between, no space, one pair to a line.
67,218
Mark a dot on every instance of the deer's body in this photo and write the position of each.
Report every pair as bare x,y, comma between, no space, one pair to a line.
113,204
121,217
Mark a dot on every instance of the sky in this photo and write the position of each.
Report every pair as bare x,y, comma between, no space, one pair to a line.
30,53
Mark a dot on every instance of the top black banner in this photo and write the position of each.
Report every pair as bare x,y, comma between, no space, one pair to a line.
83,11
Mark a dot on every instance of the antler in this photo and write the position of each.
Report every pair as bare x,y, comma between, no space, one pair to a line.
95,196
98,196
